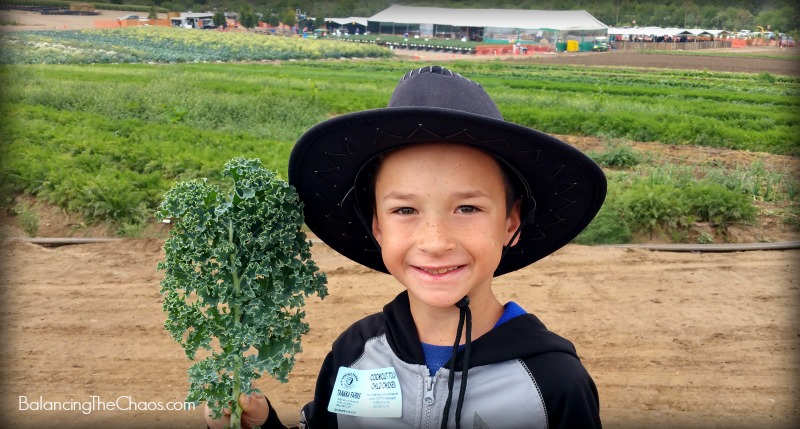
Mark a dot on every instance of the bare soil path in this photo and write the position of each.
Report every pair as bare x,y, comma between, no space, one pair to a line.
745,60
672,339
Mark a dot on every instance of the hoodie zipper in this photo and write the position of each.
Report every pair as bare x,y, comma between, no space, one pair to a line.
428,400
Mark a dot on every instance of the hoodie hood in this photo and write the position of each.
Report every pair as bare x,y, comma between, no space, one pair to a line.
498,345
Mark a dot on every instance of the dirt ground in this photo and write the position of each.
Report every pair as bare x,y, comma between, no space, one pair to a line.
672,339
675,340
785,66
19,20
786,62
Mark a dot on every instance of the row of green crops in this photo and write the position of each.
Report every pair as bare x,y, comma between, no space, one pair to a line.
650,197
166,45
636,207
107,140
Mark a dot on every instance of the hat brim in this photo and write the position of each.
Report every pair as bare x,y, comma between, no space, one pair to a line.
568,187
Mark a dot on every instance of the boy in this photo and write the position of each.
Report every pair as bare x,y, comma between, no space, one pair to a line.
443,194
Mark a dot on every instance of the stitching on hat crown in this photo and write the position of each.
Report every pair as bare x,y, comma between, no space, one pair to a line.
436,69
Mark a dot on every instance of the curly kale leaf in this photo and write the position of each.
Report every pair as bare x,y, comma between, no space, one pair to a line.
237,270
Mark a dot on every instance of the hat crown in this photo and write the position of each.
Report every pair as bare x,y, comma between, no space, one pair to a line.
438,87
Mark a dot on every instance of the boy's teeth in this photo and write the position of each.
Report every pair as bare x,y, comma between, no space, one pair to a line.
442,271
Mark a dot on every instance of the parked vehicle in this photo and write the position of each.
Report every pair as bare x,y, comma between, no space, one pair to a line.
600,44
131,16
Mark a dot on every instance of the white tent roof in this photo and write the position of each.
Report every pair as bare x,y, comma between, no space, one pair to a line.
197,14
699,31
351,20
643,31
502,18
658,31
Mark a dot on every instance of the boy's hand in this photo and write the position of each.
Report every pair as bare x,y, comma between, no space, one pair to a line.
254,412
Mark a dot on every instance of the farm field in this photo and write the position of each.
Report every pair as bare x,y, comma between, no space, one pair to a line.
673,340
167,45
121,133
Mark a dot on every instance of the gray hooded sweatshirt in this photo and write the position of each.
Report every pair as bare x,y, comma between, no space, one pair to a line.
520,376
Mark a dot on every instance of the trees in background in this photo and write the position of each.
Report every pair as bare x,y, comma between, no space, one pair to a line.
732,15
219,19
247,17
288,17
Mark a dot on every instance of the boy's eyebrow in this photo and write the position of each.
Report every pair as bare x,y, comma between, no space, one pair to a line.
471,194
397,195
405,196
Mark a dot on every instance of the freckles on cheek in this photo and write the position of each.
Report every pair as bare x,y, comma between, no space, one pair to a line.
481,242
392,238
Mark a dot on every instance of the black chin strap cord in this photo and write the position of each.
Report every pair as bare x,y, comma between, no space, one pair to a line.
464,315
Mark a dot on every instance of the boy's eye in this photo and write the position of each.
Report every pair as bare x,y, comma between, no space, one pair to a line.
467,209
405,211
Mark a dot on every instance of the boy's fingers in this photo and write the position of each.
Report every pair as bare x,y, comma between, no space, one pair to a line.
252,402
254,412
220,423
254,409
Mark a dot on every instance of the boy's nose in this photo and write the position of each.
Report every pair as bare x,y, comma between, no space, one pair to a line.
435,237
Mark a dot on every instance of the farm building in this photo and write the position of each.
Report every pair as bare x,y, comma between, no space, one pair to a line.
192,19
541,30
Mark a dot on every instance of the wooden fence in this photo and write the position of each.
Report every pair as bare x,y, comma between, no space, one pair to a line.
622,45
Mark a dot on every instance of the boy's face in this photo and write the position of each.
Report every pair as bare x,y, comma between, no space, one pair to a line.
441,220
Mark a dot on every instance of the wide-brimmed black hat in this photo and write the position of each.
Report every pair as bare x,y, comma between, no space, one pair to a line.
562,188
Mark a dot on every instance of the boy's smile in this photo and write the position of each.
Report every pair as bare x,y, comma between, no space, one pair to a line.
441,221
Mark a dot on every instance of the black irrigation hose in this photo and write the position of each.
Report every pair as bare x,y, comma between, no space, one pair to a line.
54,241
701,248
734,247
698,248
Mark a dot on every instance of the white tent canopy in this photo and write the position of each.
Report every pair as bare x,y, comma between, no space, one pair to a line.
658,31
501,18
346,21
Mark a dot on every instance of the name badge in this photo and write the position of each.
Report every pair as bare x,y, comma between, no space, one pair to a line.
367,393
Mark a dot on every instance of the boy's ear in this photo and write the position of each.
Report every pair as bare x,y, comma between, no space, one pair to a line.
376,229
513,221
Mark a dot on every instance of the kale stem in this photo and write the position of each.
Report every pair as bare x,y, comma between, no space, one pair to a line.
236,410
